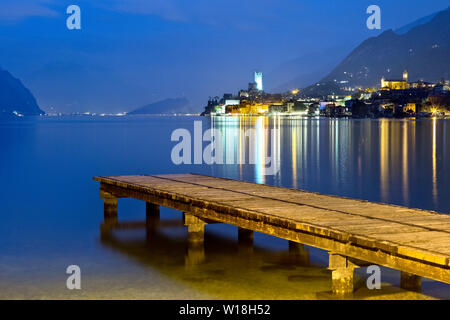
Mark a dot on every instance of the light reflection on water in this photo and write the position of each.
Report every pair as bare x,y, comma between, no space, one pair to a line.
51,211
392,161
226,269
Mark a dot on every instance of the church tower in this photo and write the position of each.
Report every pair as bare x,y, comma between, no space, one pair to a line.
405,75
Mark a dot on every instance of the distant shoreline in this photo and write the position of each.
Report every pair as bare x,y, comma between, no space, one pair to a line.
287,116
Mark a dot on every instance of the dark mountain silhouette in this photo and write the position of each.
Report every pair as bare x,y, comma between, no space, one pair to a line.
14,97
307,68
416,23
424,51
166,106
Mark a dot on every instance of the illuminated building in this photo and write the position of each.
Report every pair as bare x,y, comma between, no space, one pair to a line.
405,76
259,81
396,84
221,108
410,107
421,85
281,108
243,94
255,107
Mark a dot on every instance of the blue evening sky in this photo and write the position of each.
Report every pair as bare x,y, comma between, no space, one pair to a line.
133,52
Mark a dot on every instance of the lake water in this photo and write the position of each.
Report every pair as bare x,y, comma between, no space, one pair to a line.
51,212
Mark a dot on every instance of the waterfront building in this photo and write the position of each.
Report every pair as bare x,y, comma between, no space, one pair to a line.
249,107
276,109
396,98
221,108
410,108
421,85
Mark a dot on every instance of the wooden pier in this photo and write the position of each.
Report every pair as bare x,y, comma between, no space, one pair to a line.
356,233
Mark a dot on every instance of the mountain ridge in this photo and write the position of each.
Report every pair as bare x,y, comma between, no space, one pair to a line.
165,106
15,98
423,51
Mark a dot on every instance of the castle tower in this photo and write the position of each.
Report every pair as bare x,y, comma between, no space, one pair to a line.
259,80
405,75
383,84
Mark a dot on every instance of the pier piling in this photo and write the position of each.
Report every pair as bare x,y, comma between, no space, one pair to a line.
410,281
109,207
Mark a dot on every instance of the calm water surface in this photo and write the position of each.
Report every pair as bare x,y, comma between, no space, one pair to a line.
51,211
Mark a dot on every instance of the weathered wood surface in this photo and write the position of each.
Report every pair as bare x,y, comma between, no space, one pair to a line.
410,240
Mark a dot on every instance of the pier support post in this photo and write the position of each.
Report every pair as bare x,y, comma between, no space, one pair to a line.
341,274
196,228
109,207
152,214
410,281
196,236
151,220
245,236
245,241
298,253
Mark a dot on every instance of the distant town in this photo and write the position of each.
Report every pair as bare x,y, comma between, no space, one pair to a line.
395,98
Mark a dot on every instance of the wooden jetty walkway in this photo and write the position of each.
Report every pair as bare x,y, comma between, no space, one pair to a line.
356,233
